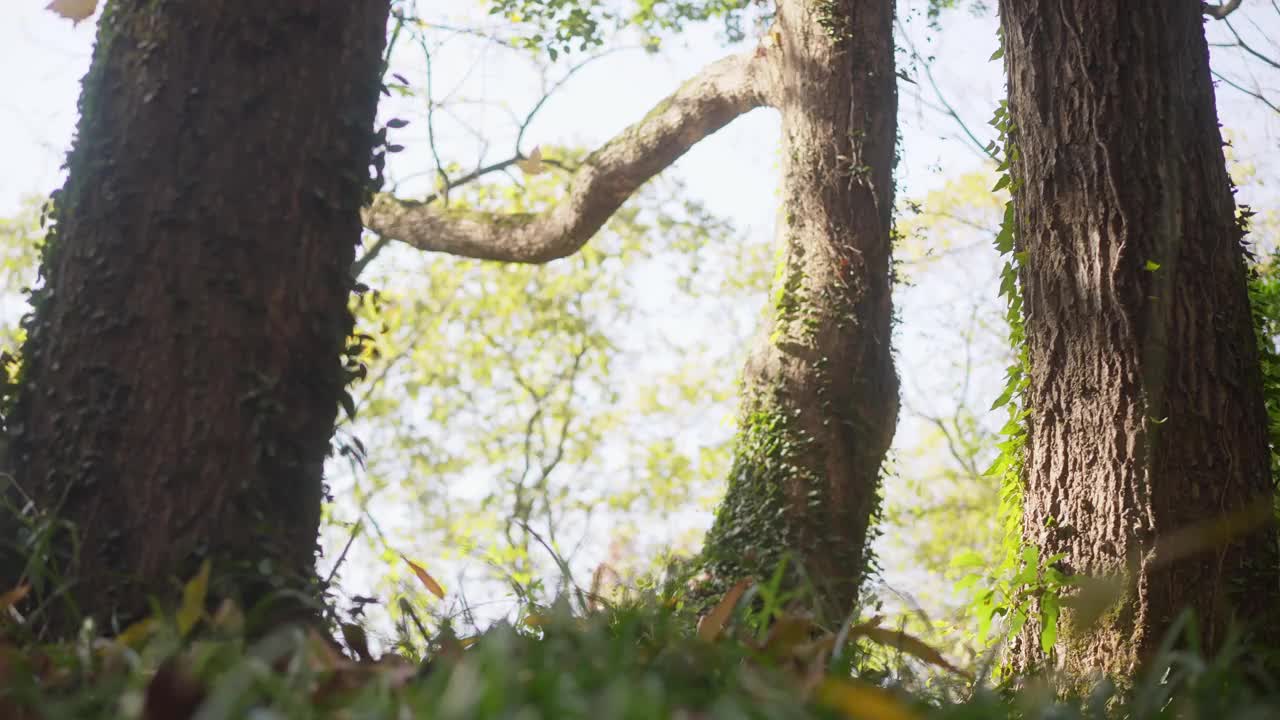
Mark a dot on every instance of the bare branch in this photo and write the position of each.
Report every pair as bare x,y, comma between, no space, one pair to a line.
1255,94
721,92
1220,12
1247,48
986,149
548,92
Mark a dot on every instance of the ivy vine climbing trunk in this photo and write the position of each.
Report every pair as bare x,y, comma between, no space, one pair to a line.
1147,455
184,356
819,397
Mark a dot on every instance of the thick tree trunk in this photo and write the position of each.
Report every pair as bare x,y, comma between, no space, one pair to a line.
820,396
183,366
1147,451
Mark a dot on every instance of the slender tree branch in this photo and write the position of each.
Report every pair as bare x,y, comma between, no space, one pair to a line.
1255,94
550,91
445,183
1220,12
1247,48
984,148
720,93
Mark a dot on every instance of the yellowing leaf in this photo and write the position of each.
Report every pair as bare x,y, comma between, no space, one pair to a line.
137,633
532,165
73,10
229,617
862,702
13,597
711,624
193,597
787,634
427,581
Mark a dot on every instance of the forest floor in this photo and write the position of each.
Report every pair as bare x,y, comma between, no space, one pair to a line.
639,657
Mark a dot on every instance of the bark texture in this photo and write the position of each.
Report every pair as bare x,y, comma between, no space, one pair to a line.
820,395
1147,450
183,366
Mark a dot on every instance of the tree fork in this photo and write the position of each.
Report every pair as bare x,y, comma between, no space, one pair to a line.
820,395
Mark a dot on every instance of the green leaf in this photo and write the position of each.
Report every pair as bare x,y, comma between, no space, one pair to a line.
1016,622
1004,241
1048,621
193,597
1004,398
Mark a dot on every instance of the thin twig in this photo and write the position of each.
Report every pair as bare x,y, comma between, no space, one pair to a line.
1255,94
937,91
1249,49
355,532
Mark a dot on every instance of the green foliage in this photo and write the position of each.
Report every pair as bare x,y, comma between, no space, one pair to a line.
20,246
935,9
673,15
946,503
563,26
559,25
635,655
502,398
1264,297
753,528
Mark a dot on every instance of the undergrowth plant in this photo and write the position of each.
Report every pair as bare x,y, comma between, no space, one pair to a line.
634,654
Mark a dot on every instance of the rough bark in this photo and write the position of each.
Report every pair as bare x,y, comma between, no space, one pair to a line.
1147,451
183,366
820,395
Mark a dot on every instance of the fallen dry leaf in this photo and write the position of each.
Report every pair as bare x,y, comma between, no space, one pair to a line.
427,581
711,624
173,692
13,597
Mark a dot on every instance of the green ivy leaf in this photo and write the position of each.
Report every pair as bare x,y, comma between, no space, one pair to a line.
1049,607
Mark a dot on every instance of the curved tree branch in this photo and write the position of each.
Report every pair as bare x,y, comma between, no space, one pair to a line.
1221,11
721,92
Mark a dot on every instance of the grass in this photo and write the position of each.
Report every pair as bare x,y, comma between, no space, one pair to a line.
750,656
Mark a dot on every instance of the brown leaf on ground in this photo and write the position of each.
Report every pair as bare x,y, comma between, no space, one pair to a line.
712,624
173,694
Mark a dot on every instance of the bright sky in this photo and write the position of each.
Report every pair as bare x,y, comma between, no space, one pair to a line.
42,59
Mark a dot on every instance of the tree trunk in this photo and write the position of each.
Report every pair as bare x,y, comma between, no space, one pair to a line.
184,359
820,396
1147,447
